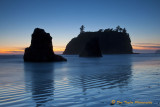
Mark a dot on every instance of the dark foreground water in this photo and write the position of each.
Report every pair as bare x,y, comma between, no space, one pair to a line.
80,82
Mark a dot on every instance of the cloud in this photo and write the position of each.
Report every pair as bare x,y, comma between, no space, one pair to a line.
157,44
11,52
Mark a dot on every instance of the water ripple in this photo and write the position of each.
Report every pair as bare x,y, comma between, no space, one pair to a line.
80,82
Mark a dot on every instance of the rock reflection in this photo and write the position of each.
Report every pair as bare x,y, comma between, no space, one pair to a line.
105,75
39,79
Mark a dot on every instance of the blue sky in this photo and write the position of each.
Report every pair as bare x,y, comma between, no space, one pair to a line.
63,18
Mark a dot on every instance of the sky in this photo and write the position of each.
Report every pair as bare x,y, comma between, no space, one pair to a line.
63,18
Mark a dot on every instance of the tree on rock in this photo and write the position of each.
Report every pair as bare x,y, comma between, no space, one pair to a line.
118,28
82,29
124,31
100,30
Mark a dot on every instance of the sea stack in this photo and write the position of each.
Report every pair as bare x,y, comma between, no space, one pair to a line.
111,41
91,49
41,49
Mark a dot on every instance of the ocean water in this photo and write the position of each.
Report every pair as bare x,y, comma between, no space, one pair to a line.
81,82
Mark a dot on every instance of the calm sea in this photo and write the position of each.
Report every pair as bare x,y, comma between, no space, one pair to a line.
81,82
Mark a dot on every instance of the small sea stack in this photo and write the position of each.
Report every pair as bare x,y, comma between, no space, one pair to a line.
41,49
91,49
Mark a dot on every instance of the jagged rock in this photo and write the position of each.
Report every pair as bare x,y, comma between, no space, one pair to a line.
41,49
111,42
91,49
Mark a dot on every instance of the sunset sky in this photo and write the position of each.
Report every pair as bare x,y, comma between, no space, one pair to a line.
63,18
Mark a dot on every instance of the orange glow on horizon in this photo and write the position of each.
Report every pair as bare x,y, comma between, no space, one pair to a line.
145,47
58,50
139,48
11,51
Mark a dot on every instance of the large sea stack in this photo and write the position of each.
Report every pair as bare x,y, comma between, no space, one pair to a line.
110,42
41,49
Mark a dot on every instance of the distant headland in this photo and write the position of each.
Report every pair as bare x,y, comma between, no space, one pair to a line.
111,41
157,51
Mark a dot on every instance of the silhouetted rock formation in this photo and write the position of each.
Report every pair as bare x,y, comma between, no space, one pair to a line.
110,42
41,49
91,49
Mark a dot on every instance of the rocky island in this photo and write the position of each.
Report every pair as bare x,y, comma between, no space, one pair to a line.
41,49
111,41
